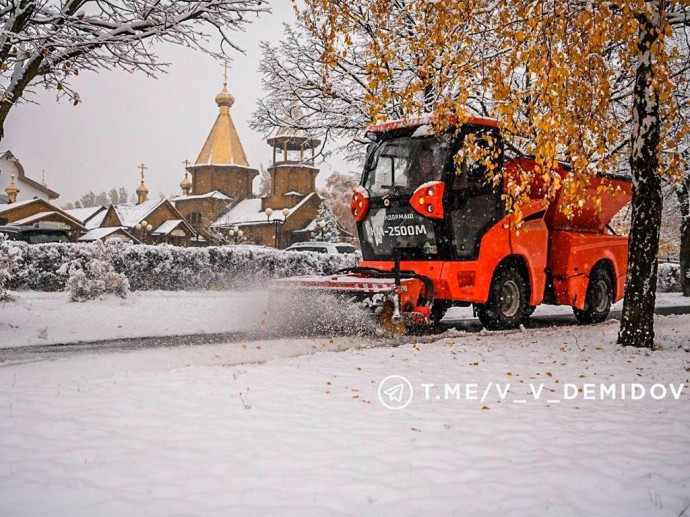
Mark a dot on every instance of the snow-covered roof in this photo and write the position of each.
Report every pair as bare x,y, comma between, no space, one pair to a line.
249,211
49,209
11,206
96,220
245,210
130,215
294,193
33,218
100,233
215,194
42,215
167,227
83,214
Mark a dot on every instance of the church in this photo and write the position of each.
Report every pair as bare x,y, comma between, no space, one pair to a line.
216,206
218,200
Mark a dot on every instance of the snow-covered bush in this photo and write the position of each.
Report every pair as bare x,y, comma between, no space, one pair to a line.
92,277
668,278
9,261
45,267
40,267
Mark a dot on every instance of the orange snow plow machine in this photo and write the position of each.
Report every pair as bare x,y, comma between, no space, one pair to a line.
435,233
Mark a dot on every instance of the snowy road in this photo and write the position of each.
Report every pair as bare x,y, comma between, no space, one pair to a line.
460,319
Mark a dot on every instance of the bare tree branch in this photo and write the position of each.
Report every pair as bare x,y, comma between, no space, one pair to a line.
49,42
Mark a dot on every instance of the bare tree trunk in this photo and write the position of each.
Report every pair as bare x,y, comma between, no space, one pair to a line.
637,323
685,255
684,200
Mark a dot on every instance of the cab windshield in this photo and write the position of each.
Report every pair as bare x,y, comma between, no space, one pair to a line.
398,167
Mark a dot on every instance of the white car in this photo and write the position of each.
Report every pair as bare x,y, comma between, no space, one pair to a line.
330,248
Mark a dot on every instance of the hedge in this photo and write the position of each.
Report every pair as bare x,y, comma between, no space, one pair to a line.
40,267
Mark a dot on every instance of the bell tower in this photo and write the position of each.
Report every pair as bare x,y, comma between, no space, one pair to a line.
293,175
222,163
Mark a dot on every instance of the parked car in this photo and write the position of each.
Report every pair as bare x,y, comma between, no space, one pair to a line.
34,235
330,248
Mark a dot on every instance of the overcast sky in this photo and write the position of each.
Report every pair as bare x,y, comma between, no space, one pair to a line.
125,120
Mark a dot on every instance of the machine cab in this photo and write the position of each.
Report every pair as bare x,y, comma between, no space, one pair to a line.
427,196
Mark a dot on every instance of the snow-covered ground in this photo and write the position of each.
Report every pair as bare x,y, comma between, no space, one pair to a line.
296,426
37,318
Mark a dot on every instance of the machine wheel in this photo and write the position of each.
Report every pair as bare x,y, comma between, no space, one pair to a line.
507,301
529,310
599,298
438,310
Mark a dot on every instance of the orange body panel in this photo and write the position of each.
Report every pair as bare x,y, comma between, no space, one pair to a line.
587,217
574,254
531,242
495,247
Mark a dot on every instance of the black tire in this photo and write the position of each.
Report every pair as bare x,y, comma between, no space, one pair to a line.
505,308
438,310
529,310
598,299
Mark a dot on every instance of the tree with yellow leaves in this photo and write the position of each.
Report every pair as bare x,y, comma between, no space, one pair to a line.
573,80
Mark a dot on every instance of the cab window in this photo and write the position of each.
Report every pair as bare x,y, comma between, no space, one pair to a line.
475,204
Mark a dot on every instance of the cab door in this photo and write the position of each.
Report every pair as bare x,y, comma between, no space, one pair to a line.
474,214
474,204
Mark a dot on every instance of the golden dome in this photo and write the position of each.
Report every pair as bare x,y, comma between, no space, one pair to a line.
12,187
186,185
142,191
12,190
223,145
225,98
